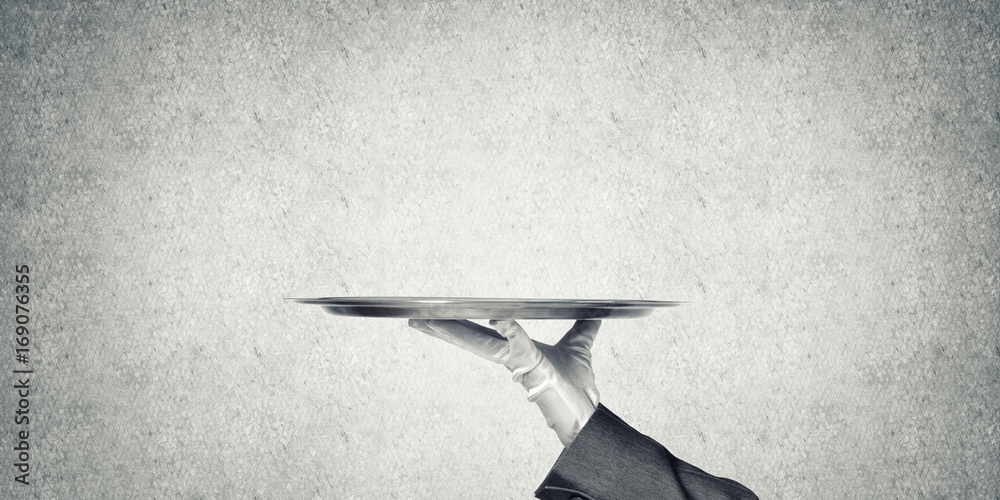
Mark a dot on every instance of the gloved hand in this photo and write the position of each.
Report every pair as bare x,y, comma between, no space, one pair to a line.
559,378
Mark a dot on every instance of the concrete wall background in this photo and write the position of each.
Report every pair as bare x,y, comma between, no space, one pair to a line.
819,180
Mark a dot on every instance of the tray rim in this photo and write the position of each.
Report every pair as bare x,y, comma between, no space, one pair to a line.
402,301
485,308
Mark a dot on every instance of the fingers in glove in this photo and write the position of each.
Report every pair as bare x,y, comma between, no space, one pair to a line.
474,338
524,356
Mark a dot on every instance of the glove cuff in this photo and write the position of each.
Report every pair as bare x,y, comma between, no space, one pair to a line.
567,408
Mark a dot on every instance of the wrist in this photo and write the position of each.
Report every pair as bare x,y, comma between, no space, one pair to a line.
566,407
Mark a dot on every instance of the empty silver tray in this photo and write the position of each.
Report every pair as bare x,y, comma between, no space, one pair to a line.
481,308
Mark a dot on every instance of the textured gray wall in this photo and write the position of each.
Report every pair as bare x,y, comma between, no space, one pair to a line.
820,180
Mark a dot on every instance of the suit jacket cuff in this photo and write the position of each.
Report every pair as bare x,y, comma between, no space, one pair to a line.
610,460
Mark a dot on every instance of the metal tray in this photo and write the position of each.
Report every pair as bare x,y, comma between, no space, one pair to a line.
482,308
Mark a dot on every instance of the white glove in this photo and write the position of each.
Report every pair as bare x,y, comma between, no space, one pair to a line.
559,378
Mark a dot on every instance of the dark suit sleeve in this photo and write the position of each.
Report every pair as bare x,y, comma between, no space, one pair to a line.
609,460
